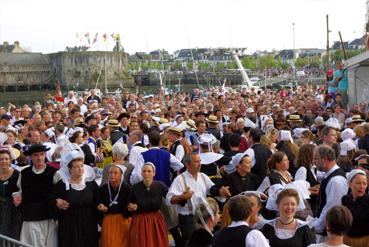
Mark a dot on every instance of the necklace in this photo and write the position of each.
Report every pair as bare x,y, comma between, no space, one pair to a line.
286,224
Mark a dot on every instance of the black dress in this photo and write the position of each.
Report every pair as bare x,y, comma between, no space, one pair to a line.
148,227
200,238
122,201
148,199
10,216
303,236
360,212
78,224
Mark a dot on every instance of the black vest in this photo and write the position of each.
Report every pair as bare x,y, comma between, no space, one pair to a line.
231,236
310,177
323,186
36,189
215,132
173,149
262,154
322,194
275,178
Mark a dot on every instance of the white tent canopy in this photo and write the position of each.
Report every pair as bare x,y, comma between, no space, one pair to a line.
358,78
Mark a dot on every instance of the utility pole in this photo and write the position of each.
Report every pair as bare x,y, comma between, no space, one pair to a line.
294,57
329,59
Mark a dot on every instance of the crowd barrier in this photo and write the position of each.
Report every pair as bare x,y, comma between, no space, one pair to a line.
9,242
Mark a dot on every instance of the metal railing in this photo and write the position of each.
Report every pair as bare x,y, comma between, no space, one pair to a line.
9,242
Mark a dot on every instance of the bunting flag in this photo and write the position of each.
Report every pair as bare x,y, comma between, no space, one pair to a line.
104,37
117,37
87,35
95,39
112,35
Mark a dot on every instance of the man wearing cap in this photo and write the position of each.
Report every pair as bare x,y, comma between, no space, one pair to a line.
123,122
115,134
294,121
175,136
36,183
213,127
190,131
332,188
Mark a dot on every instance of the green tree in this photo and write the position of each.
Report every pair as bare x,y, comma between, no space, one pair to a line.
315,61
249,62
301,62
267,62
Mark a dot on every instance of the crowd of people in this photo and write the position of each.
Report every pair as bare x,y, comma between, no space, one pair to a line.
216,167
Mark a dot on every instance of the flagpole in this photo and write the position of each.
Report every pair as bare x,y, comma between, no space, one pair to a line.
106,50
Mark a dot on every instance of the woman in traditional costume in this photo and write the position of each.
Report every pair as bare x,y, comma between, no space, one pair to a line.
10,217
113,202
285,230
75,200
148,226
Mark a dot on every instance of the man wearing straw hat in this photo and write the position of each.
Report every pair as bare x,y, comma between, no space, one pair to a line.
177,149
213,127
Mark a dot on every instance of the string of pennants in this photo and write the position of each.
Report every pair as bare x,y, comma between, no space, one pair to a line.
105,37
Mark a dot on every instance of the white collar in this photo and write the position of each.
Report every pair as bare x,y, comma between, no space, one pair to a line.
38,171
238,223
335,167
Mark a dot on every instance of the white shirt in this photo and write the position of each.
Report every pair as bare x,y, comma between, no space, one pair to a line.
67,99
266,183
136,177
254,238
135,154
336,188
180,152
200,186
83,109
301,174
3,137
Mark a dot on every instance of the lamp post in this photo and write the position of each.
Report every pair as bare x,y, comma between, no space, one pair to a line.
294,57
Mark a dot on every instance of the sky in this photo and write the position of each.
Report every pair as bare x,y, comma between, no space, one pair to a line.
144,25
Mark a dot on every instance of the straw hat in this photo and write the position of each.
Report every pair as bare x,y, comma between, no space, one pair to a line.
212,119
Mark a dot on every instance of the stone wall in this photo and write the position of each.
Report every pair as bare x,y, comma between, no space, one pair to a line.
81,70
75,70
24,71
